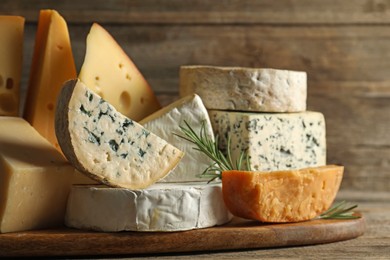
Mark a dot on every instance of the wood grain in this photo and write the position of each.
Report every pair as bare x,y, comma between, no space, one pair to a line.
206,12
240,234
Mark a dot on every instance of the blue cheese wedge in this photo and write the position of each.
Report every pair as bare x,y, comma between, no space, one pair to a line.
246,89
167,121
274,141
107,146
161,207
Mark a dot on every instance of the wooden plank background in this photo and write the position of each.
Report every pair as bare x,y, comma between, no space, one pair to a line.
343,45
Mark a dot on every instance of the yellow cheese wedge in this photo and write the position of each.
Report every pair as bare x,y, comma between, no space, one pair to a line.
34,179
52,64
11,53
110,73
281,196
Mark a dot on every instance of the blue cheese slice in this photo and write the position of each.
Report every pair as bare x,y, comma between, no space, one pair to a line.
274,141
161,207
168,120
107,146
246,89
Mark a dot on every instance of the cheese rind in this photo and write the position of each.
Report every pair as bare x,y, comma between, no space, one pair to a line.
34,179
104,144
274,141
166,123
281,196
11,57
245,89
52,65
161,207
110,73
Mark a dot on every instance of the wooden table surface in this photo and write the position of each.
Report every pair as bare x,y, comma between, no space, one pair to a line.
374,244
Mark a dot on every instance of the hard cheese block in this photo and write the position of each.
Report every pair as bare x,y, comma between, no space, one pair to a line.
52,65
281,196
274,141
161,207
11,57
34,179
109,72
245,89
104,144
166,123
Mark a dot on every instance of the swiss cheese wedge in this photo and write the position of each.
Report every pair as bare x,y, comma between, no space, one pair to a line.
110,73
281,196
107,146
52,65
11,57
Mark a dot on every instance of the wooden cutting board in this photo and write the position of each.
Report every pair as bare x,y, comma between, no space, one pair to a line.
238,234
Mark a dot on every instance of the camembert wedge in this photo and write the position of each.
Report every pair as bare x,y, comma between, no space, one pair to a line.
107,146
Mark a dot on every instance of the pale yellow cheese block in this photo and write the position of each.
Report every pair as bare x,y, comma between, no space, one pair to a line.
11,57
110,73
52,64
34,179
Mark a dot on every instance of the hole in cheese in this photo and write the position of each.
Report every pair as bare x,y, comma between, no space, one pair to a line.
120,65
7,102
97,78
10,83
128,76
50,106
60,47
125,99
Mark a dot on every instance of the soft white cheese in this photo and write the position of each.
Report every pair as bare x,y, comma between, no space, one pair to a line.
246,89
161,207
166,122
274,141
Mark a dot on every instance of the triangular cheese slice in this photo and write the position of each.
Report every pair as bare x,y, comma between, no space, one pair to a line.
52,65
107,146
110,73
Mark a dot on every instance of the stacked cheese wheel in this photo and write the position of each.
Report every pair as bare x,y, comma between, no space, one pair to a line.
263,112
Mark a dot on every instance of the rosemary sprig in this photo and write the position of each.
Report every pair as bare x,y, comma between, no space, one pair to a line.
339,210
209,147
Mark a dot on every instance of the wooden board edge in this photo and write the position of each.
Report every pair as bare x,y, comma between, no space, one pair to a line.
69,242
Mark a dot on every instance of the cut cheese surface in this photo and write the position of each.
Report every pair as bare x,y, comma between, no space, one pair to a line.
274,141
281,196
166,123
110,73
246,89
11,57
109,147
161,207
34,179
52,65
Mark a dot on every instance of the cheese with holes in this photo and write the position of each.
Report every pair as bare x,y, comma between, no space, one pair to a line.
52,65
110,73
34,179
109,147
281,196
11,57
166,123
161,207
274,141
245,89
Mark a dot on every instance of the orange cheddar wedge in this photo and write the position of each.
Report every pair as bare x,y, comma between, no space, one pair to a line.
281,196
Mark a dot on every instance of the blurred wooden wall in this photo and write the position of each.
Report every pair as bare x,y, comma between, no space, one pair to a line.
343,45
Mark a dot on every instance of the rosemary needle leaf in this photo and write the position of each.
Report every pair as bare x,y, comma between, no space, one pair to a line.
339,210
